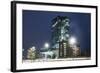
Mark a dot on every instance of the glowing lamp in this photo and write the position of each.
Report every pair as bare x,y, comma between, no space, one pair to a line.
72,40
46,45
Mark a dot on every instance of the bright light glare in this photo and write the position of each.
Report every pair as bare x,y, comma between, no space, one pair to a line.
72,40
33,48
46,45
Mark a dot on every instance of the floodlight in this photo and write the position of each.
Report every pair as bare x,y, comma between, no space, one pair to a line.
46,45
72,40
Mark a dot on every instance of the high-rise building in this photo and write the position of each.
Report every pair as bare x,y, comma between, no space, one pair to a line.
60,36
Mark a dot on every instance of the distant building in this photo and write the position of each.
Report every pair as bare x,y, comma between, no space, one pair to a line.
75,50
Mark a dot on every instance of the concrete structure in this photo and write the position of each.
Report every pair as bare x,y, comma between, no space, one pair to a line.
60,36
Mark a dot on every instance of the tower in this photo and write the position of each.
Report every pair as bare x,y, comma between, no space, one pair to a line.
60,36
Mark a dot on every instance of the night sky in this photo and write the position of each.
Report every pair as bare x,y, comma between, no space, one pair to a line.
37,28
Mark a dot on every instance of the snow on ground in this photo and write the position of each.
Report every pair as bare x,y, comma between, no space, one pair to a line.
52,60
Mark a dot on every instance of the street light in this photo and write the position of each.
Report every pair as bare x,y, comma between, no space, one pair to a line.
33,48
72,40
46,45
